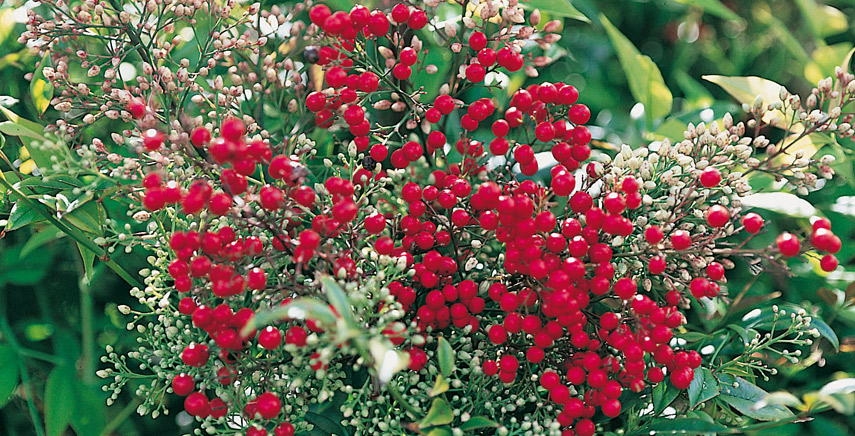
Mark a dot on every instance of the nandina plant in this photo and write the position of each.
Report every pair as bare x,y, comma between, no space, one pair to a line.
408,248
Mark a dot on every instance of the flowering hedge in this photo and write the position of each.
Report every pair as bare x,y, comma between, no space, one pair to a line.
353,231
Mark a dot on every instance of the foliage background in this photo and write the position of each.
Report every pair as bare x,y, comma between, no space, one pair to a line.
54,323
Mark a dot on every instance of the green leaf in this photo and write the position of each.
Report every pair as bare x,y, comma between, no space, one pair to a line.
679,426
713,7
704,387
338,299
826,332
20,216
663,395
823,20
40,88
59,400
89,416
440,431
744,396
445,354
558,8
24,270
824,59
477,422
14,129
440,386
40,238
324,426
8,373
746,89
299,308
645,79
24,123
88,262
440,413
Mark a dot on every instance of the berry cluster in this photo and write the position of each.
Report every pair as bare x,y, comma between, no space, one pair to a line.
283,278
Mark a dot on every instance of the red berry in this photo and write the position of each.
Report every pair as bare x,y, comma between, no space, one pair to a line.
710,177
717,216
478,40
788,244
268,405
681,240
400,13
752,222
196,404
828,263
270,338
183,384
653,235
153,139
137,108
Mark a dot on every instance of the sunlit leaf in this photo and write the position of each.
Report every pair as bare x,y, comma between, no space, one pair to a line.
645,79
440,413
439,386
824,59
41,90
781,202
746,89
557,8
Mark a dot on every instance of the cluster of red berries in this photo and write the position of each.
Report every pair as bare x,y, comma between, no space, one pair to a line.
551,268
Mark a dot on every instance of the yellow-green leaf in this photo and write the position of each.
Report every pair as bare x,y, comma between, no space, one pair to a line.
824,59
746,89
440,386
558,8
440,413
40,88
645,79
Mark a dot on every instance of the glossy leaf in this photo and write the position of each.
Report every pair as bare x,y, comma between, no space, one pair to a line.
781,202
826,332
645,79
663,395
704,387
744,396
